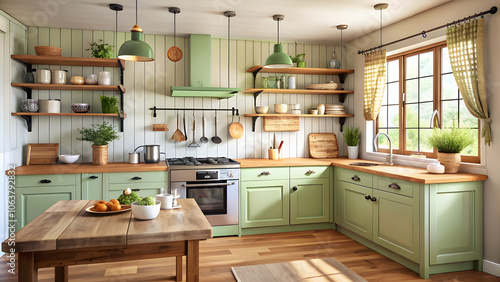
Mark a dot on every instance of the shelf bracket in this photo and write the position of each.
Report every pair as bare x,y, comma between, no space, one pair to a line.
28,92
122,116
341,122
255,72
28,122
342,77
254,119
342,98
122,67
255,95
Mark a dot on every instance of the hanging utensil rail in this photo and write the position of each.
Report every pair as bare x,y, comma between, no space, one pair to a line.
233,110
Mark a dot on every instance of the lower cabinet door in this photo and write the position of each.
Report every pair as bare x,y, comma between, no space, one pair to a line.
309,201
356,209
92,186
264,203
32,202
396,223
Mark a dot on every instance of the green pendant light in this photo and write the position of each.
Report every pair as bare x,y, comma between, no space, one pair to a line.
136,49
278,59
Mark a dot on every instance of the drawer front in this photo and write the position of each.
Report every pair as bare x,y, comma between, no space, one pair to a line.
356,177
138,177
396,186
310,172
46,180
264,173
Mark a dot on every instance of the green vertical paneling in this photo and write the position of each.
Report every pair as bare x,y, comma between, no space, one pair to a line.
310,203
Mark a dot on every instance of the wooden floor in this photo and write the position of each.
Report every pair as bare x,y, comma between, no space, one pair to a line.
219,254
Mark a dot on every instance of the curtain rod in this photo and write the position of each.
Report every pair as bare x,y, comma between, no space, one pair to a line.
493,10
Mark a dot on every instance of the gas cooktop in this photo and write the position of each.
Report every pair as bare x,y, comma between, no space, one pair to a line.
201,163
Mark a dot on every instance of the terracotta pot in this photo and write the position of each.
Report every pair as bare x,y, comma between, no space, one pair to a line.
450,161
100,155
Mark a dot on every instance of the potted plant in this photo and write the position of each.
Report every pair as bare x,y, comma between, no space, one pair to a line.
449,143
100,49
299,60
109,104
99,135
352,136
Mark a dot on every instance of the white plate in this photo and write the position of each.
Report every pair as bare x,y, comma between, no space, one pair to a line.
176,207
124,209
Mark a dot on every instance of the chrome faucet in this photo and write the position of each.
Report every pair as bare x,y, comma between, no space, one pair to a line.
435,114
375,142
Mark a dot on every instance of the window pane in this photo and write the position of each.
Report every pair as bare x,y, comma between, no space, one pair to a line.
426,64
425,114
382,117
472,150
394,135
412,139
384,99
445,61
412,116
426,89
424,136
466,119
449,88
412,67
393,71
411,91
393,112
393,89
450,113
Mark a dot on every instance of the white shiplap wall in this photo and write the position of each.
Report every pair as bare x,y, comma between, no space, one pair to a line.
148,84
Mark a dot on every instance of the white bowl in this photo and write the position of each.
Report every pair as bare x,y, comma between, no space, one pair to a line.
145,212
262,109
69,159
280,108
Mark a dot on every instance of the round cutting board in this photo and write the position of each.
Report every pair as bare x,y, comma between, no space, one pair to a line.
174,54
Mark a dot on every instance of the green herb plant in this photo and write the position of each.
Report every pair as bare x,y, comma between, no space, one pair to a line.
129,199
109,104
451,140
98,134
298,58
352,136
100,49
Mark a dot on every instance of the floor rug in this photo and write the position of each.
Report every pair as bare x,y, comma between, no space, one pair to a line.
326,269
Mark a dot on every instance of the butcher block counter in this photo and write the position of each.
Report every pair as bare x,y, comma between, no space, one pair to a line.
88,168
66,234
413,174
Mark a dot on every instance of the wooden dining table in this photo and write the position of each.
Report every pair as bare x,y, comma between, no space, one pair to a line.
66,234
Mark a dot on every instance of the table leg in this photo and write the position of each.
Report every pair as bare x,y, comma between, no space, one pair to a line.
178,270
193,261
26,269
61,274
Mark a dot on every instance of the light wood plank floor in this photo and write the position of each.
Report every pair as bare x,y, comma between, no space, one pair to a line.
219,254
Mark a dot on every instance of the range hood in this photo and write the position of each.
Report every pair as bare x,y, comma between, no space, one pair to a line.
200,64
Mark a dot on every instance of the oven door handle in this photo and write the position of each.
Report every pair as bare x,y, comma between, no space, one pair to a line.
208,184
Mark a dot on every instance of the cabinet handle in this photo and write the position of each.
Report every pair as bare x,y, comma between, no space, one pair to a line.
356,178
309,172
136,178
264,173
45,181
373,199
394,186
295,188
368,197
93,177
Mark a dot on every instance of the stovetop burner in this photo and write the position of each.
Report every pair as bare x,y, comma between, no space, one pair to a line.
211,162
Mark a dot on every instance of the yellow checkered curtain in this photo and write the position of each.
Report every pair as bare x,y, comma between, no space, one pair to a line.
466,49
375,79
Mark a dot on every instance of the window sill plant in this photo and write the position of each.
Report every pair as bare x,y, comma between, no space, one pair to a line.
99,135
352,136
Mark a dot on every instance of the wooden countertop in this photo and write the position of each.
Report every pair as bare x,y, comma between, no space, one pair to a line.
414,174
88,168
66,225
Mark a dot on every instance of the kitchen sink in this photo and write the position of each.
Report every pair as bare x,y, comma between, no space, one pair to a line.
363,164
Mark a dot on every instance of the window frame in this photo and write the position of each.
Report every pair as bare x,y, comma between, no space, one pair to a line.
437,73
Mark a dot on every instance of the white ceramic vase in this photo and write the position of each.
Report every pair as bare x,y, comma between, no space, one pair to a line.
352,152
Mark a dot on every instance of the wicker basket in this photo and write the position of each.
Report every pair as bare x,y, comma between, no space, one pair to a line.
450,161
100,155
48,51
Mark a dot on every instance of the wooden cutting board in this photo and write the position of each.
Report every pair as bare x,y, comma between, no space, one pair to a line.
323,145
43,153
279,124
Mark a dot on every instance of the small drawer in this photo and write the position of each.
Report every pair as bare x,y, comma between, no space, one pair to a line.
356,177
45,180
396,186
309,172
264,173
138,177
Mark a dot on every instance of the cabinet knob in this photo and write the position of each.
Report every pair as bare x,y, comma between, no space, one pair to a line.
368,197
309,172
356,178
136,178
294,188
45,181
394,186
93,177
373,199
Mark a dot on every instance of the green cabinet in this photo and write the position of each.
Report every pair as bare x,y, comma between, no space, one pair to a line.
356,214
92,186
148,183
309,200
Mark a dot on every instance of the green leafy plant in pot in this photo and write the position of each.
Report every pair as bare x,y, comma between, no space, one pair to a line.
449,143
99,135
109,104
100,49
299,60
352,136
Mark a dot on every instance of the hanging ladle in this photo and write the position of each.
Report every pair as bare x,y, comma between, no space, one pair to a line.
216,139
174,53
194,144
203,139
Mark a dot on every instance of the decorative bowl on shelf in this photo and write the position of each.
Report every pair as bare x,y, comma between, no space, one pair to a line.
280,108
69,159
78,80
48,51
261,109
80,107
146,212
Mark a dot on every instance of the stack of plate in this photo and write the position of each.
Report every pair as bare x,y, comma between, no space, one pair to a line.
335,110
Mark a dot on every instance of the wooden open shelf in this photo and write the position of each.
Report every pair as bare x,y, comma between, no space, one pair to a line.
296,91
66,114
37,86
317,71
69,61
292,115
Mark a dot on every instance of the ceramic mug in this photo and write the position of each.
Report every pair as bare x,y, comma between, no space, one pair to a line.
166,201
104,78
43,76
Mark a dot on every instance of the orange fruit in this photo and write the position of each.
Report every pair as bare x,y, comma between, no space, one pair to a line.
109,205
100,202
116,207
101,208
113,201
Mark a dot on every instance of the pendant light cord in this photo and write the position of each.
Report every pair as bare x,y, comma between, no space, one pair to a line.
116,32
136,12
175,29
380,27
341,48
278,31
228,47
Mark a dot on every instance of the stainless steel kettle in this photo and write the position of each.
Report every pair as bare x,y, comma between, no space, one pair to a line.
151,153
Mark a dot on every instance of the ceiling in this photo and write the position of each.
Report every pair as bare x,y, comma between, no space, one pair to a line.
305,21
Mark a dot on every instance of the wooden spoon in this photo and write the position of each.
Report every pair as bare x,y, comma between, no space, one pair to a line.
236,129
178,136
